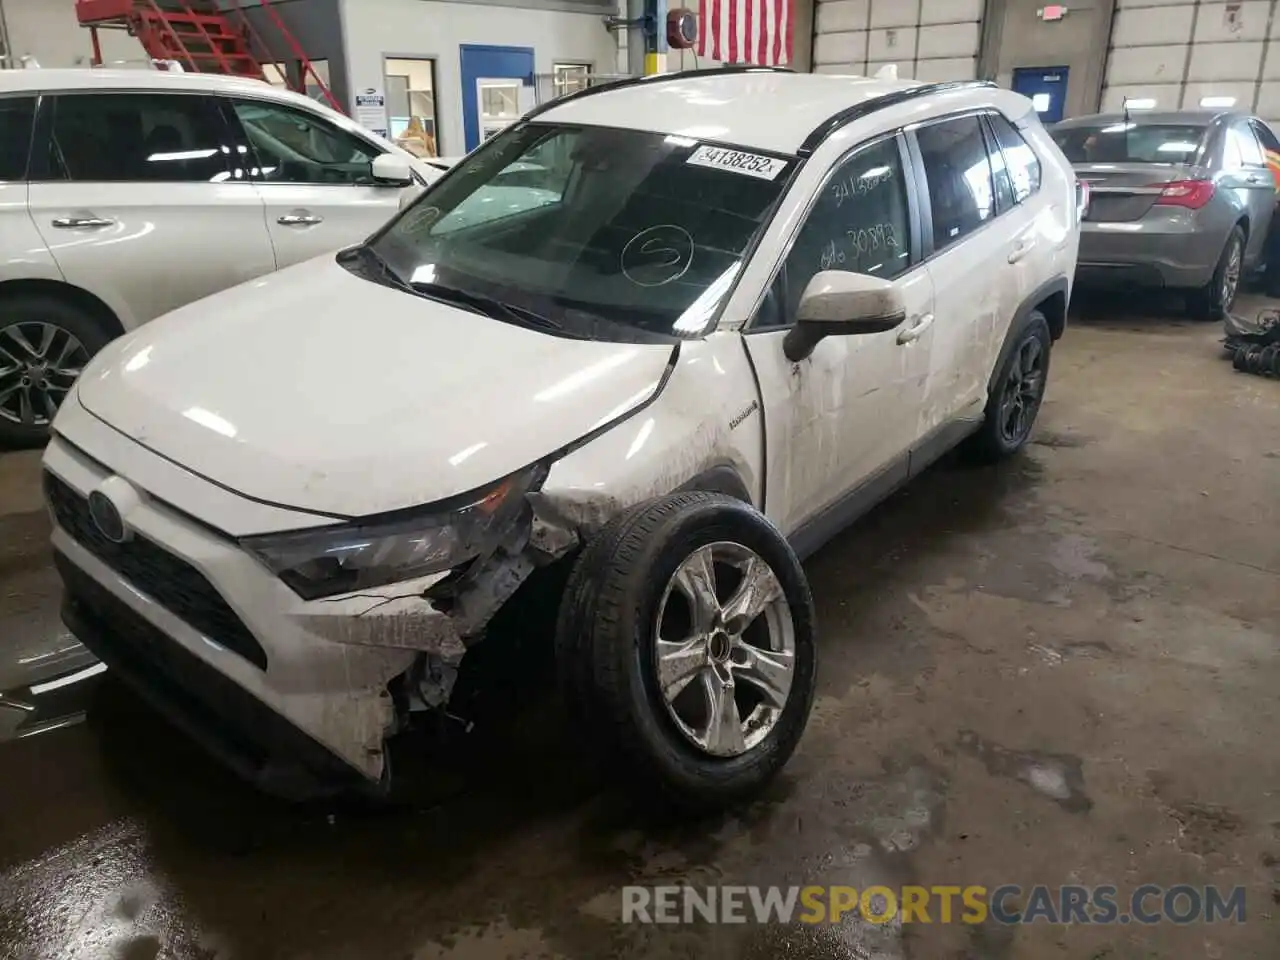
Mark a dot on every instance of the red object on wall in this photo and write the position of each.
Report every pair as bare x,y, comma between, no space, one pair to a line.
745,31
682,29
199,35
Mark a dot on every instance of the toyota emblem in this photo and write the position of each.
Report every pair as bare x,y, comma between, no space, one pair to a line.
106,517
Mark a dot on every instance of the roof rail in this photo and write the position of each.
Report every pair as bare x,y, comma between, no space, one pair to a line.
636,81
871,105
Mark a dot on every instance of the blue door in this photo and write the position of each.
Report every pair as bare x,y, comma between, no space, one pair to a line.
480,62
1047,88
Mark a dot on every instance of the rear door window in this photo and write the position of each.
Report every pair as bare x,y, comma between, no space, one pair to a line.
138,138
16,117
958,168
1247,143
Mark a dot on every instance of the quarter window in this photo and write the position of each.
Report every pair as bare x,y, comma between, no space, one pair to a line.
961,192
137,137
1268,139
16,116
860,223
293,146
1019,159
1247,144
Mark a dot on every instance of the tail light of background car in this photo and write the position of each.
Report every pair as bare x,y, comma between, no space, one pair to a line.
1192,194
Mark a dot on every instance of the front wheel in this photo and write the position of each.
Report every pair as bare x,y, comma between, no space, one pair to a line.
686,649
44,344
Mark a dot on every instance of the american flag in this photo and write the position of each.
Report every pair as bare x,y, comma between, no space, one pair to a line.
745,31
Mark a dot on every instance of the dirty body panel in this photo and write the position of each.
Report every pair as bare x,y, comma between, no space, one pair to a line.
327,663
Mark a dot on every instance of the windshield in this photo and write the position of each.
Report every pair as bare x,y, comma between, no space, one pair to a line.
1132,142
601,232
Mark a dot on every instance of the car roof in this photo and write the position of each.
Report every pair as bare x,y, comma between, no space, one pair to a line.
771,110
142,78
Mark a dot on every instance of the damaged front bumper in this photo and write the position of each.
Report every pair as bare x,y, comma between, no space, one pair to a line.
293,694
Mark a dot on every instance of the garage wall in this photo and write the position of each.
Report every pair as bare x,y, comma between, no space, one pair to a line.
48,30
927,39
1178,52
558,32
1016,37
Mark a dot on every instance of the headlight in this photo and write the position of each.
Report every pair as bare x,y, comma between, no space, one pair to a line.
396,547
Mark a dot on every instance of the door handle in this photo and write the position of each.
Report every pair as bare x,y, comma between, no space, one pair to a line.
299,220
1254,178
916,331
71,223
1021,250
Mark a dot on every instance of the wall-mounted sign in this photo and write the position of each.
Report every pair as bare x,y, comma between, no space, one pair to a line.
1052,12
371,110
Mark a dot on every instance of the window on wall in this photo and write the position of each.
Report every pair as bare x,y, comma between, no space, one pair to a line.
410,86
570,77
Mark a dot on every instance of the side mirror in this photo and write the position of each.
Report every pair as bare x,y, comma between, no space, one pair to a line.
840,304
390,170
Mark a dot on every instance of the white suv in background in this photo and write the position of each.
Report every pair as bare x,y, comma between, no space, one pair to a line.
127,193
736,309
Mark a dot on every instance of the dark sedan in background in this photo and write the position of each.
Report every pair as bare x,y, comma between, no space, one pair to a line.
1177,199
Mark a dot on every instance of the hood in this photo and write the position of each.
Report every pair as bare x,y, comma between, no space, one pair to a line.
320,391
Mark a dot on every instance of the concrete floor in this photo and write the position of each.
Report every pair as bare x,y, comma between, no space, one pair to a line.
1061,671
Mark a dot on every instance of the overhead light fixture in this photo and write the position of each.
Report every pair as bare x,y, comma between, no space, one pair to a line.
1139,103
1217,101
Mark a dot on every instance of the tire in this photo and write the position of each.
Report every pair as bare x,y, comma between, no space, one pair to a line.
621,596
1213,301
24,322
994,440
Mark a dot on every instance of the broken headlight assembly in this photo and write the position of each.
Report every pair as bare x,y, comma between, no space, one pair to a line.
395,547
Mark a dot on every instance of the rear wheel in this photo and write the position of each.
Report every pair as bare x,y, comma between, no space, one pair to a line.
44,344
1213,301
1016,393
686,649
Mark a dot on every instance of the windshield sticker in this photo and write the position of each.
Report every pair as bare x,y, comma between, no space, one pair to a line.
422,219
658,255
751,164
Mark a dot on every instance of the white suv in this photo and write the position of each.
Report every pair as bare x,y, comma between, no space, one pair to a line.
127,193
737,309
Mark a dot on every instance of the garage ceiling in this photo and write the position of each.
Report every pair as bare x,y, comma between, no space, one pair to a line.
1179,53
927,39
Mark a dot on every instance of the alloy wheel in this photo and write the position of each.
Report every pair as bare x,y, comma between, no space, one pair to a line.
1023,391
1231,276
39,363
725,649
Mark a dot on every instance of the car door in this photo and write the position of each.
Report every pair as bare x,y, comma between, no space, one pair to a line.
314,178
972,252
134,196
1245,170
1037,231
843,419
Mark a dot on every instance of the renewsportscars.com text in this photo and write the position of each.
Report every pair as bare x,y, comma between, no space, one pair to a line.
1007,904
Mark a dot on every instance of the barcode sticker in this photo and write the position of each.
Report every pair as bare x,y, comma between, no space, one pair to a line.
750,164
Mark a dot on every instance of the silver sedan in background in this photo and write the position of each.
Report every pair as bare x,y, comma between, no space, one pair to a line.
1177,199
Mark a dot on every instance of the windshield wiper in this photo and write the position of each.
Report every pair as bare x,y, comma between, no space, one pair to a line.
374,267
488,306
